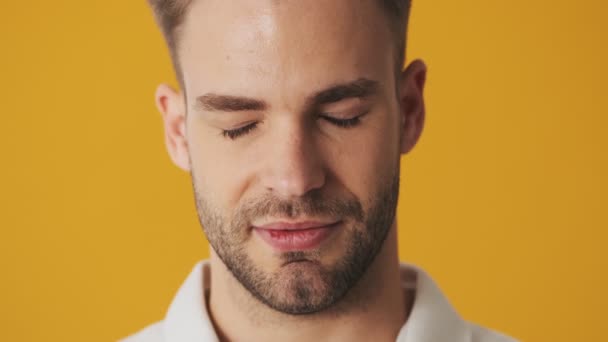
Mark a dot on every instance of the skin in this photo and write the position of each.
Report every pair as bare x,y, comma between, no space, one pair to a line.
281,54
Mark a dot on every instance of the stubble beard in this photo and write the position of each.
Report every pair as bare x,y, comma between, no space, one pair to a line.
302,285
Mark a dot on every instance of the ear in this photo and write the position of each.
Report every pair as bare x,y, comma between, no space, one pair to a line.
412,104
172,106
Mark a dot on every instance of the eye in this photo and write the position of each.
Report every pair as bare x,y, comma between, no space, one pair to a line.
232,134
344,123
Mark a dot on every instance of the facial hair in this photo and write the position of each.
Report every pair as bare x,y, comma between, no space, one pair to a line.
302,285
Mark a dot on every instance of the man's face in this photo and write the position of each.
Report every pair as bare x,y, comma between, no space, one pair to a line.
293,137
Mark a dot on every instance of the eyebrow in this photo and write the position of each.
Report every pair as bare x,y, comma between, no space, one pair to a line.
228,103
359,88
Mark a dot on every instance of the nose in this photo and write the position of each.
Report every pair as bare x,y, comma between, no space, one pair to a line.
295,164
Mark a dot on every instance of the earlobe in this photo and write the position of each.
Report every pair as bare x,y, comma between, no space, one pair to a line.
411,98
171,105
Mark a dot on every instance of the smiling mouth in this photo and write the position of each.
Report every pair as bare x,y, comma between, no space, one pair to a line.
295,237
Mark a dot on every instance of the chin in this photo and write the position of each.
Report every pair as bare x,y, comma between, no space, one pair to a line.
301,287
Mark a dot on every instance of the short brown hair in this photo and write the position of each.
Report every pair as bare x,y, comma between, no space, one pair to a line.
170,14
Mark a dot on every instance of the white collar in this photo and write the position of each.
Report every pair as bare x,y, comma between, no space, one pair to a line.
432,318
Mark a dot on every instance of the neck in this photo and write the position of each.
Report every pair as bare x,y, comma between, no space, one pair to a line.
375,309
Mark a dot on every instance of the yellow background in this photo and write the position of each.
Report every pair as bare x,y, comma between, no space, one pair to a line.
503,201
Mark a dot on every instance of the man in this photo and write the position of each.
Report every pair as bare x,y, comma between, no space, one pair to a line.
291,120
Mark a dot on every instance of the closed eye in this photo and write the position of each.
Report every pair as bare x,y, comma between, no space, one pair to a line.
237,132
344,123
233,134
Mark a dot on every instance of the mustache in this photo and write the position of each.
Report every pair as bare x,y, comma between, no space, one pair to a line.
311,204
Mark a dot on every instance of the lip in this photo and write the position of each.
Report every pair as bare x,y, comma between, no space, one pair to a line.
295,225
297,236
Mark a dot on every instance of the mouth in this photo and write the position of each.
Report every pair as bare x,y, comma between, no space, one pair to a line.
298,236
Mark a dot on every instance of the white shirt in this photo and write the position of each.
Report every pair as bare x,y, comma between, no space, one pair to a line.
432,318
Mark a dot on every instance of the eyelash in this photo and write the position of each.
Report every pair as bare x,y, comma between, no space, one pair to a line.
343,123
237,132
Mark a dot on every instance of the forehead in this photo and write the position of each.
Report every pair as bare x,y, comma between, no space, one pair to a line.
282,47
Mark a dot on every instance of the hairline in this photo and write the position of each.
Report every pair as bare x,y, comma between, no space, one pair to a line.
177,10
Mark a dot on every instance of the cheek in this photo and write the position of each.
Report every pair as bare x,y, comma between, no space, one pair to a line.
221,174
369,159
